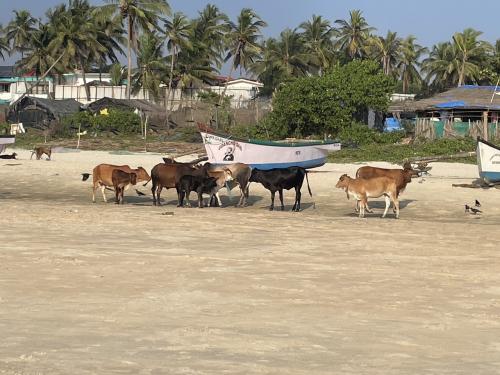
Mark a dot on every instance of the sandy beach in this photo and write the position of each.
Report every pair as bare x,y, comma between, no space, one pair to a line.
102,289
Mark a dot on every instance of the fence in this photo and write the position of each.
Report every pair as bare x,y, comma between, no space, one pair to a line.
431,129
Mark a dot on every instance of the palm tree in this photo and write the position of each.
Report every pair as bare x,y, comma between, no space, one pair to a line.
19,31
116,74
150,66
317,36
75,34
409,63
4,45
352,34
209,35
110,36
178,32
140,15
243,42
386,50
37,56
471,52
282,59
442,66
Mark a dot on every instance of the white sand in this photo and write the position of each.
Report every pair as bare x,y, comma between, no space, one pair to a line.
99,288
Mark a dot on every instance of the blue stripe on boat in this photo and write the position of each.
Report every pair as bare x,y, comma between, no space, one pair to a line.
490,176
304,164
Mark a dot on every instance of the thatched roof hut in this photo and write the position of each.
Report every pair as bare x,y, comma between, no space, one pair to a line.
39,112
464,98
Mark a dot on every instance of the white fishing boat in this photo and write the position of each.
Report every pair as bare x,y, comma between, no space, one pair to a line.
6,140
488,161
224,149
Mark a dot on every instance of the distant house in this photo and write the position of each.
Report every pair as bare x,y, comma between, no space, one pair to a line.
464,110
38,113
242,90
13,86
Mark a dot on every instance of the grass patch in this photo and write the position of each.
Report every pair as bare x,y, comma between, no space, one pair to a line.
396,153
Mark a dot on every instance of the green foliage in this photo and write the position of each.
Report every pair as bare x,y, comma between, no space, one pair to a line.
252,131
397,153
361,134
4,128
116,121
185,134
327,104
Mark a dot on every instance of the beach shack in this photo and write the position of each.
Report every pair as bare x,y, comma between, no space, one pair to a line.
468,110
38,113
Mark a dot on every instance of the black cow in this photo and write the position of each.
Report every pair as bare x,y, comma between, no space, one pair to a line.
199,184
282,178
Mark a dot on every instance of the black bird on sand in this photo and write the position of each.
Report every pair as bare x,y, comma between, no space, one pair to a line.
85,176
472,210
478,204
139,193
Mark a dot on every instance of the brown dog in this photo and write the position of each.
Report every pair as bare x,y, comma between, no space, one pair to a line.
39,151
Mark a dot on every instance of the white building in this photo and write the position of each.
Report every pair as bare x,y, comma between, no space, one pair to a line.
241,90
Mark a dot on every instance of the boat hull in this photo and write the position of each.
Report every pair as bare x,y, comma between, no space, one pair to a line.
488,161
6,140
266,155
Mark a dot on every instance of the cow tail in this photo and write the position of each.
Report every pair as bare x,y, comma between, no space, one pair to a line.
147,182
308,187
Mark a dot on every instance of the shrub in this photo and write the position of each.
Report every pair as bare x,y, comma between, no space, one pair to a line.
360,134
116,121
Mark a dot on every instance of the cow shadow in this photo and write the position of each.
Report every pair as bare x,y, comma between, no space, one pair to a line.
380,206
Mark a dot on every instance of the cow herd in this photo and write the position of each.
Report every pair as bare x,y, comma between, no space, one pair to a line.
370,182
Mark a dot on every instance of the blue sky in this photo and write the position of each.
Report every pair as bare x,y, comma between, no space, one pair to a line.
430,21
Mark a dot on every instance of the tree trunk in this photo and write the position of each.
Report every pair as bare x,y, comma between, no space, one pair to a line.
462,72
221,100
129,56
167,107
87,88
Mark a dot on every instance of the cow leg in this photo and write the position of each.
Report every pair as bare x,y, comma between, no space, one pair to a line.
356,207
158,193
218,199
395,201
103,188
200,199
94,188
281,199
298,196
362,206
273,193
117,195
387,204
188,203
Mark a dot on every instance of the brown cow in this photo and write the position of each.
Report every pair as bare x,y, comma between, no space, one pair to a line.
402,177
121,180
102,177
362,189
168,176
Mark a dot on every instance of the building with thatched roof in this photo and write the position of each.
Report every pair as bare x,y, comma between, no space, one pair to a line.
39,113
465,110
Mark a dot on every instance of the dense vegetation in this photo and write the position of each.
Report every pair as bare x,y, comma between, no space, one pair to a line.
174,50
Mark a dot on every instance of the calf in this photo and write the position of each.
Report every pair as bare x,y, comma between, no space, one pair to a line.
11,156
241,175
401,177
120,180
275,180
221,178
200,184
362,189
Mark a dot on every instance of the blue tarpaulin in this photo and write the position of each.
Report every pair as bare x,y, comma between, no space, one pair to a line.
456,104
